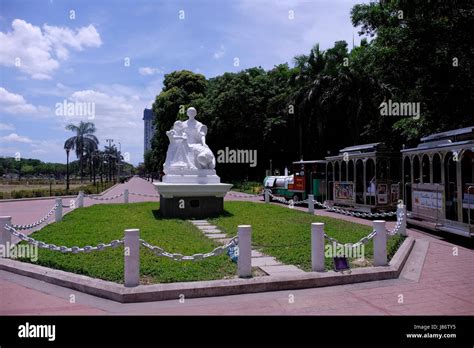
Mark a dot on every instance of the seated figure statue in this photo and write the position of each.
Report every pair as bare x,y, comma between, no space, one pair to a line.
188,150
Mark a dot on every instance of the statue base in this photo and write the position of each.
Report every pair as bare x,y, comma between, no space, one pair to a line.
191,200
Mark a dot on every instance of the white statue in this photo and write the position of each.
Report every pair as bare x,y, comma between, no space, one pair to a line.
188,150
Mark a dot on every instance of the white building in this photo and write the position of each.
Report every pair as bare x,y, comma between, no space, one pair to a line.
149,129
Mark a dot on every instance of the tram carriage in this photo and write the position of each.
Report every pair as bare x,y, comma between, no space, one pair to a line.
364,178
438,182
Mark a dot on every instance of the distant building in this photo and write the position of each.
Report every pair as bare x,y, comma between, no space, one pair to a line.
148,118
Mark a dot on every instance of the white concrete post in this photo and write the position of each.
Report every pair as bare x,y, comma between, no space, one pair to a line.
80,199
5,235
125,196
380,243
58,214
267,196
317,247
401,208
311,204
132,257
245,251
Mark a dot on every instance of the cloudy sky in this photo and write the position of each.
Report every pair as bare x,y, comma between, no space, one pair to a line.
114,54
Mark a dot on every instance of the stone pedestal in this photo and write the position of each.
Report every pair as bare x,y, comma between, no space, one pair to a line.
189,200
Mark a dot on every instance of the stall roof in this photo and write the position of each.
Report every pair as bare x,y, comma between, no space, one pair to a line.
457,137
363,148
448,134
310,162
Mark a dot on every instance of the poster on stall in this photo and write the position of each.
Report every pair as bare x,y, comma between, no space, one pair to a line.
382,194
344,191
395,191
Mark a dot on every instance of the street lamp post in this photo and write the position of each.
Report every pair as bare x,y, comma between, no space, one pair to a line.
67,170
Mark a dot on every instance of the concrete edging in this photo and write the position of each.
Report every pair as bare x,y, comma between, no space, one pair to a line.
160,292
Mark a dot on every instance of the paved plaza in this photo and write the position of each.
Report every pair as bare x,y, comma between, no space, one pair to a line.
437,279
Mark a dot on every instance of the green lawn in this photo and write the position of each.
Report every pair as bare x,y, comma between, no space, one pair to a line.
272,225
104,222
290,231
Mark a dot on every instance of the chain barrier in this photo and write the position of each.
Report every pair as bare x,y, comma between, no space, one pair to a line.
63,249
104,199
400,219
143,194
330,208
245,195
39,222
363,240
195,257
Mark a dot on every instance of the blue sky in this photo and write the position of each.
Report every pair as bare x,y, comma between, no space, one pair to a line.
56,51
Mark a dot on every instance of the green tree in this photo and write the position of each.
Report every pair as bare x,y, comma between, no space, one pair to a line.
83,142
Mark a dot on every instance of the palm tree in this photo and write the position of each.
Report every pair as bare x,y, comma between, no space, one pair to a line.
83,141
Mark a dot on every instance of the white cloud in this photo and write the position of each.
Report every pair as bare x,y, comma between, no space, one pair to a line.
15,138
219,53
15,104
6,126
37,52
146,70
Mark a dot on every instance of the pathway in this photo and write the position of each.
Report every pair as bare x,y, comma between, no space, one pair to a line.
268,264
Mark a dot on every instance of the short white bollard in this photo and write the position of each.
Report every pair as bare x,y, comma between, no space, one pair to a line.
131,250
317,247
402,209
125,196
380,243
58,214
311,204
80,199
244,263
5,235
267,196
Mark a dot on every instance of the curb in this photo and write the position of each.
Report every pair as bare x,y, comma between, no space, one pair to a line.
160,292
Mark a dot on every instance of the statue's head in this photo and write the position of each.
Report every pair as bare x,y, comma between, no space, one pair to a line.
191,113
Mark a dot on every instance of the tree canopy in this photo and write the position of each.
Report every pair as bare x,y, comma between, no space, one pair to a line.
418,52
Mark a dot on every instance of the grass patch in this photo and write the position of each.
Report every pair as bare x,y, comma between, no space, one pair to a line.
102,223
288,228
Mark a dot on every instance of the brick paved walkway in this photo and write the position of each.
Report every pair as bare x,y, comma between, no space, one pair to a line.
438,279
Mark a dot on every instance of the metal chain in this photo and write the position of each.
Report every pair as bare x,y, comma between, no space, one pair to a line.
398,225
104,199
363,240
195,257
336,210
246,195
39,222
142,194
63,249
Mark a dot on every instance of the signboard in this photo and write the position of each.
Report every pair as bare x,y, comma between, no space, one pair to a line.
382,194
344,191
298,183
395,192
432,200
428,200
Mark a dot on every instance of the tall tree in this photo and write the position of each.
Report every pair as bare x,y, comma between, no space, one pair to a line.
83,141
